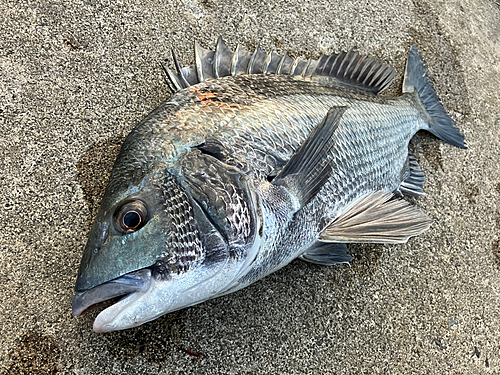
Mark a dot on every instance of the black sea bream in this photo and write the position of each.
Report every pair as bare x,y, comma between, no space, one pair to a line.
255,160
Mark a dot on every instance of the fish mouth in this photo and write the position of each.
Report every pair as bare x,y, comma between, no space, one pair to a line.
111,292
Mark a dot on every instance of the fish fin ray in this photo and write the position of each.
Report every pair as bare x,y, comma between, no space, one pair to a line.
377,218
272,62
308,170
222,59
414,182
327,254
173,79
285,65
180,71
204,62
351,68
440,123
257,61
241,59
299,67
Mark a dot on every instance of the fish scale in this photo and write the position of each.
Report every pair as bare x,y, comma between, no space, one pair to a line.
198,118
366,158
392,124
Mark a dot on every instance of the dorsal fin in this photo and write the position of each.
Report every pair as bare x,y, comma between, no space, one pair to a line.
366,73
350,68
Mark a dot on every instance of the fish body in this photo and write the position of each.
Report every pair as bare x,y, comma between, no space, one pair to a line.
236,175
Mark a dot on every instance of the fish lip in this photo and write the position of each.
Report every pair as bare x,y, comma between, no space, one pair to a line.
130,283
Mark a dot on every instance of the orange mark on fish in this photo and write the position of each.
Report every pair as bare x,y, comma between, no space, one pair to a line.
202,96
211,99
221,105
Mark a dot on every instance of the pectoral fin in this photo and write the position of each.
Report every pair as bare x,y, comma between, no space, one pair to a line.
327,254
376,218
308,169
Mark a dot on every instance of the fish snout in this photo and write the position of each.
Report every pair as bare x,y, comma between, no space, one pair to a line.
133,282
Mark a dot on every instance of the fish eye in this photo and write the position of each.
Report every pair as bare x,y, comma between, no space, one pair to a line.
131,220
131,217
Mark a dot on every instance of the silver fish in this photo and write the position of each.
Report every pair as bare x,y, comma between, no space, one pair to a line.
255,160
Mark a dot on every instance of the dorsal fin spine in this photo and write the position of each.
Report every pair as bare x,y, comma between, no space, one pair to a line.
252,65
252,60
294,66
282,65
234,61
198,63
306,67
240,61
178,67
342,64
311,67
217,57
267,62
173,80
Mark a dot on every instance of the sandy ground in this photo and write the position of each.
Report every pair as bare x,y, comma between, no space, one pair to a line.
76,76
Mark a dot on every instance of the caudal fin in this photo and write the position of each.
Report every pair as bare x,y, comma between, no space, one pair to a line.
440,123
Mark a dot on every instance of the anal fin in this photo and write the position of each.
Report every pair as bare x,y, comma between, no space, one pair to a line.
377,218
414,181
327,254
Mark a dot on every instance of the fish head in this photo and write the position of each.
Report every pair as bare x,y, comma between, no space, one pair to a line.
152,249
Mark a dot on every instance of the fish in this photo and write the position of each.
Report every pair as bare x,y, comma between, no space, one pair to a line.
255,160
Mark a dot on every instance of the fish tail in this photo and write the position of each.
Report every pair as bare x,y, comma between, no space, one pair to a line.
439,122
